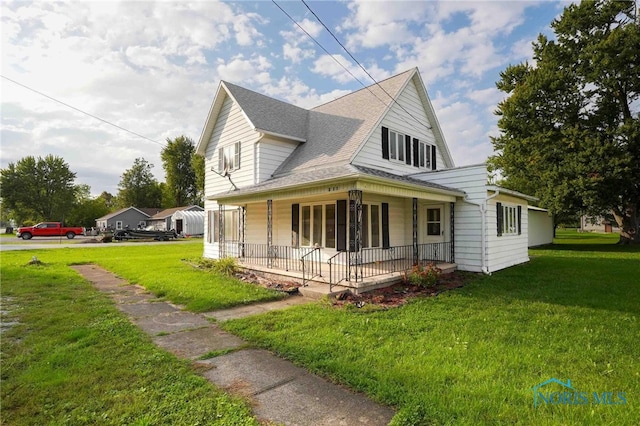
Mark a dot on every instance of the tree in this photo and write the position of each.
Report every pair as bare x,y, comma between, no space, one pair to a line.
177,159
38,189
87,209
570,126
197,162
138,187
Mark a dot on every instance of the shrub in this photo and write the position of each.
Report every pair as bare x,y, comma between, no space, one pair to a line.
225,266
423,276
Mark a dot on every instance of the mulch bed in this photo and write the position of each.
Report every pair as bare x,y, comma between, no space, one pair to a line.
399,294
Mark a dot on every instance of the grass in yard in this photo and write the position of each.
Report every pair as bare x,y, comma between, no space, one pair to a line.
69,357
473,355
160,270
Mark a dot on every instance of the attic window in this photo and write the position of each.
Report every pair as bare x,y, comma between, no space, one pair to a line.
401,148
229,158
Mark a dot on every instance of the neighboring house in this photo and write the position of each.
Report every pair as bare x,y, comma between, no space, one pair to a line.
353,191
130,217
597,224
162,220
540,227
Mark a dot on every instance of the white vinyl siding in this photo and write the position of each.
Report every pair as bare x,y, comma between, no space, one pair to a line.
506,250
468,220
270,154
399,121
231,128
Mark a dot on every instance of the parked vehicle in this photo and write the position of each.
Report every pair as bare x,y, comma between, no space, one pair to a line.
148,234
48,229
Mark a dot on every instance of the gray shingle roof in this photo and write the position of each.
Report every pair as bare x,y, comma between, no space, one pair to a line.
338,128
326,174
271,115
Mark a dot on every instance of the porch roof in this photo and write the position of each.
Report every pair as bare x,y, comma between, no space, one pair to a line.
341,178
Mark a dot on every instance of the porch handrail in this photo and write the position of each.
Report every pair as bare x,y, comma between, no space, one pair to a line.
335,267
315,265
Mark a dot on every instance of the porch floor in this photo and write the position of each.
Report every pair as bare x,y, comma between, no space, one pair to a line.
318,286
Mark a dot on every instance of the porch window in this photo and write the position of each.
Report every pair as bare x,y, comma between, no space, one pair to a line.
318,223
231,226
371,225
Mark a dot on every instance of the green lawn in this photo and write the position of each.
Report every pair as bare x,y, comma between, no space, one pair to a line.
159,268
469,356
473,355
70,357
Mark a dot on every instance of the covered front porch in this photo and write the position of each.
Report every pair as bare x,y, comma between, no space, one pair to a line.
360,232
368,269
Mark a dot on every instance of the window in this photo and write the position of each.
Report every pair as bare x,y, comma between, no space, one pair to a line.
426,155
231,226
396,146
316,222
229,158
119,224
371,226
433,221
509,219
401,148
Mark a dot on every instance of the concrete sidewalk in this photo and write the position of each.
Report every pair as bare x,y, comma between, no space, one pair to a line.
279,391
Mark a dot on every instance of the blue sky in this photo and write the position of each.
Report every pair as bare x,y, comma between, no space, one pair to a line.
153,68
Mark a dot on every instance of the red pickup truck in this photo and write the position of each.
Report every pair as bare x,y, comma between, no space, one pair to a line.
48,229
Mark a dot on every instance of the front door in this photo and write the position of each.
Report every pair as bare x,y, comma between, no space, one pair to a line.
434,226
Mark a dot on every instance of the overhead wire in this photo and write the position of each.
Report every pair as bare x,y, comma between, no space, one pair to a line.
81,111
360,65
327,52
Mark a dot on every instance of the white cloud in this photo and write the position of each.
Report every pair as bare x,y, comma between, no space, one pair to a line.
240,70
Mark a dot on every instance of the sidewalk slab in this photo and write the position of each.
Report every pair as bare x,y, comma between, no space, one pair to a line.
280,392
170,322
193,344
284,393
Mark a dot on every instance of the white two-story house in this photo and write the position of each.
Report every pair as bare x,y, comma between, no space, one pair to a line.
351,192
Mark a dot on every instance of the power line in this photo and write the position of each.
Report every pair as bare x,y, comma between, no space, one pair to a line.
327,52
81,111
360,65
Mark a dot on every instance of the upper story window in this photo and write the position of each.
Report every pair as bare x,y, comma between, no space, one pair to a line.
229,158
405,149
396,146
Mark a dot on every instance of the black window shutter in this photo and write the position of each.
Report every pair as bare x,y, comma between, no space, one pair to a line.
519,220
499,218
385,225
385,143
295,225
416,149
341,225
433,157
407,148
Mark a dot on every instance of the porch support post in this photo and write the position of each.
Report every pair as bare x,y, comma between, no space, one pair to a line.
452,209
415,231
355,231
242,212
222,249
269,233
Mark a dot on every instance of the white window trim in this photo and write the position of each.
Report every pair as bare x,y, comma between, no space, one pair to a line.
231,153
509,219
119,225
323,235
399,142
